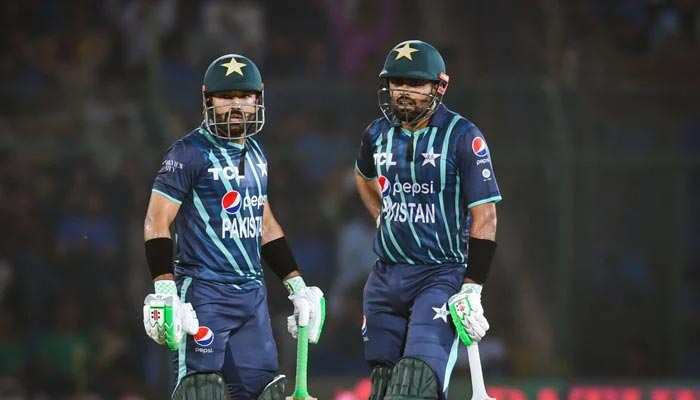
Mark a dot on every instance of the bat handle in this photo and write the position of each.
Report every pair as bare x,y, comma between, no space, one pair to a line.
478,387
300,389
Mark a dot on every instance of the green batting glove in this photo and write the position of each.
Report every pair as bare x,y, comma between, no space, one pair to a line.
165,318
310,300
468,314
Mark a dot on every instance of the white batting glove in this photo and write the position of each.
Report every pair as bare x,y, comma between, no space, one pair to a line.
468,314
165,318
313,297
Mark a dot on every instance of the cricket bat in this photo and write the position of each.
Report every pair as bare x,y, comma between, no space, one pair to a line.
301,392
478,387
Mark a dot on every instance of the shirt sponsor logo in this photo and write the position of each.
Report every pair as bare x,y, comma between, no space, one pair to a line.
486,160
408,188
384,185
227,173
479,147
384,159
233,201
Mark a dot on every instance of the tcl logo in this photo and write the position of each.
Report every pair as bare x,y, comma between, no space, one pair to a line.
227,173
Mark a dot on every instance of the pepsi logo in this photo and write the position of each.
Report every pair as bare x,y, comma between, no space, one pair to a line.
364,325
231,202
479,147
384,185
204,336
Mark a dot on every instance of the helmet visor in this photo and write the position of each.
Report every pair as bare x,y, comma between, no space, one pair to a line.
235,119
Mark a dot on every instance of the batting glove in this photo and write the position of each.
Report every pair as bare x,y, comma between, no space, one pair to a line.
468,314
299,294
165,318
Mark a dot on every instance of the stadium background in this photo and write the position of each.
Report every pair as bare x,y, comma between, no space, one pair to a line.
591,110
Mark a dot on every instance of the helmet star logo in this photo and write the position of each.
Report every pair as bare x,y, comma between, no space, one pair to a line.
234,66
405,51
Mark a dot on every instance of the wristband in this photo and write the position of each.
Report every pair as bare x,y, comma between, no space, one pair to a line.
159,254
279,257
481,253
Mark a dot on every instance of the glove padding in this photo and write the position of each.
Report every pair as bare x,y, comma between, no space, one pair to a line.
166,319
468,314
316,304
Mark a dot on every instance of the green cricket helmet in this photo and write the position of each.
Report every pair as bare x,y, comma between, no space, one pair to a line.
414,60
233,72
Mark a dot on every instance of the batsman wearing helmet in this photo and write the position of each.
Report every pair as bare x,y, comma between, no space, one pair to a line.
210,302
425,174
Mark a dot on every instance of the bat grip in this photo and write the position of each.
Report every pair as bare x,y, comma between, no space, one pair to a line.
300,389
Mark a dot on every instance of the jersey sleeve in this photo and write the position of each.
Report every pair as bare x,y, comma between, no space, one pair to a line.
178,172
364,164
476,173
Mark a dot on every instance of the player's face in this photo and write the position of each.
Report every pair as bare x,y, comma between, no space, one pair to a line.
236,106
410,97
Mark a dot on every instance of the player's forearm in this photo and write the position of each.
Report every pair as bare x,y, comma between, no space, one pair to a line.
482,243
369,193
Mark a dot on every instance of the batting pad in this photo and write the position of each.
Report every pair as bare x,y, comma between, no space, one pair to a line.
202,387
380,380
275,389
412,379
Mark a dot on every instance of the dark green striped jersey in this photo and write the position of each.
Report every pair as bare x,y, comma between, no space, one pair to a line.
429,179
219,225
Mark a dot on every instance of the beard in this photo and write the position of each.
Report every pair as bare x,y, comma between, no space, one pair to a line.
406,109
236,125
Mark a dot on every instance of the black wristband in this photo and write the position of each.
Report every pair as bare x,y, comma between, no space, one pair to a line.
481,253
159,254
279,257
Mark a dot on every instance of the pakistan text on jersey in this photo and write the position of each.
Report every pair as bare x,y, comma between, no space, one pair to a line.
246,227
170,165
409,212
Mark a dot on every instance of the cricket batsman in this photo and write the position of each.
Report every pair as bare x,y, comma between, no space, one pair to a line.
425,174
210,302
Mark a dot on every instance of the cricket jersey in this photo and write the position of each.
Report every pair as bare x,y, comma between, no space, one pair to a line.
218,229
429,179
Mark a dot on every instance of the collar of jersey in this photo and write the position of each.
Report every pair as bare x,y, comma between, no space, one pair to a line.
418,132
